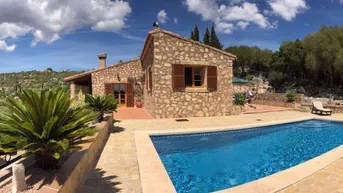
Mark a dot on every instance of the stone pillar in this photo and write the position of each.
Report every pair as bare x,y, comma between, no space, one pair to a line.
102,60
18,178
72,90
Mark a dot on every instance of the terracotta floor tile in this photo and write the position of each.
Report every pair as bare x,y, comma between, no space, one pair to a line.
131,113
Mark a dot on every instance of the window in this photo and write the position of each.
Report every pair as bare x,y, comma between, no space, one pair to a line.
186,76
194,76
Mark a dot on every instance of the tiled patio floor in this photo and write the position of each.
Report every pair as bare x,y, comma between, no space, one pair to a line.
328,180
117,169
131,113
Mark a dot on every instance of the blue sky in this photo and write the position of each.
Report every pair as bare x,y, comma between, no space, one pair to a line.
67,34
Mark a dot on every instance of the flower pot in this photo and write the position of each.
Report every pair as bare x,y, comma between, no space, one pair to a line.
139,103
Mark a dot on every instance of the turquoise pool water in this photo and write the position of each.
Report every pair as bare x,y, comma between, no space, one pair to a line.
210,162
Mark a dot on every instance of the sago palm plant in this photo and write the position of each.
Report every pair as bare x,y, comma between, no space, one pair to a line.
44,125
102,104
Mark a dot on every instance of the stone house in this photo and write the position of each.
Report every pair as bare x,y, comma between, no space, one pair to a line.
183,78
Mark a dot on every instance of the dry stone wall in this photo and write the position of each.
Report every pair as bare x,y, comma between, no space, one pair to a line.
149,103
169,50
241,88
123,70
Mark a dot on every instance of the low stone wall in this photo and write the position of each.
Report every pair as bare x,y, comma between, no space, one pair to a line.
79,174
308,108
76,168
276,99
240,88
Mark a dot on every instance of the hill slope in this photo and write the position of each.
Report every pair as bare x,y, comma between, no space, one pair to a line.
11,82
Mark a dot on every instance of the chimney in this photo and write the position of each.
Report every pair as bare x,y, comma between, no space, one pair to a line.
102,60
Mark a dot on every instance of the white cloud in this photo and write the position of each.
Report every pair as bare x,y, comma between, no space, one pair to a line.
176,21
248,12
288,9
208,9
225,27
49,20
5,47
225,15
244,13
242,24
13,30
162,16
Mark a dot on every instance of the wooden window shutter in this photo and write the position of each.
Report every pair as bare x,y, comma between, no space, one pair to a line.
212,80
150,79
130,99
178,77
109,88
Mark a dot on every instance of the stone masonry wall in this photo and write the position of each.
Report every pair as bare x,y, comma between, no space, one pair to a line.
241,88
148,102
169,50
276,99
125,70
84,89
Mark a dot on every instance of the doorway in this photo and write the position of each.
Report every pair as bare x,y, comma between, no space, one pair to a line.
120,93
123,92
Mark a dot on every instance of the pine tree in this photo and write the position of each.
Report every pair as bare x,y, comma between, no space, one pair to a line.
192,35
196,33
214,40
206,39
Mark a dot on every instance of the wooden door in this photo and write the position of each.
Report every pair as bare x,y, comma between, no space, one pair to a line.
120,93
130,101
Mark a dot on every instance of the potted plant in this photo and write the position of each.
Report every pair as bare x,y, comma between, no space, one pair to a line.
138,89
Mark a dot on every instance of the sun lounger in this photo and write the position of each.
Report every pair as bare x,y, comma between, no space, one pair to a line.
318,108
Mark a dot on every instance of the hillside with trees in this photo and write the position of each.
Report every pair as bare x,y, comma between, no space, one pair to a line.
313,65
12,82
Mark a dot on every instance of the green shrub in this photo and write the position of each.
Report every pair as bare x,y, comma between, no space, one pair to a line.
276,79
291,96
102,104
240,99
43,125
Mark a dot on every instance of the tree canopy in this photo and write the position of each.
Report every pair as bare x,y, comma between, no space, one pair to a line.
206,38
316,60
210,39
214,40
196,33
250,60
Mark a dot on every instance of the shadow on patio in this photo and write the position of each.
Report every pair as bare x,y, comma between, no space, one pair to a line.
98,182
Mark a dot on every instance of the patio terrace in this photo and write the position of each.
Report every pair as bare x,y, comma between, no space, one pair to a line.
117,168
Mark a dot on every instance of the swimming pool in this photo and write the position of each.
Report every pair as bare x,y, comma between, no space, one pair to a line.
214,161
